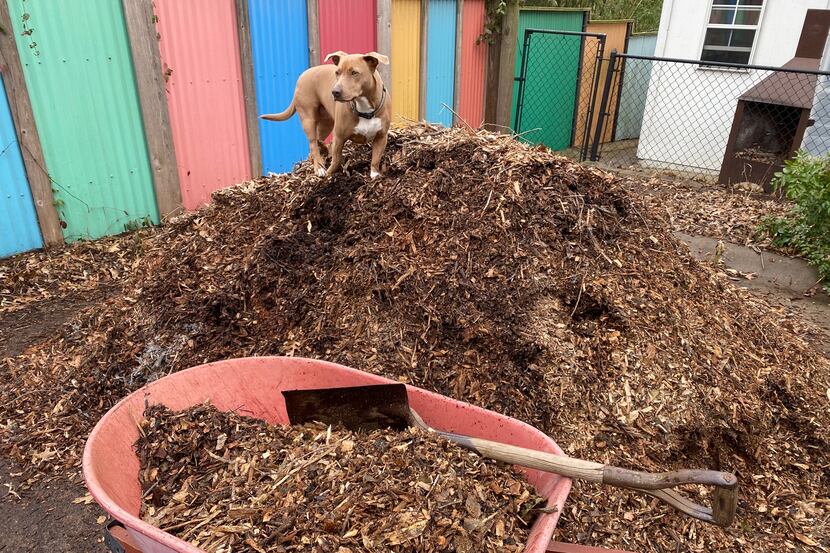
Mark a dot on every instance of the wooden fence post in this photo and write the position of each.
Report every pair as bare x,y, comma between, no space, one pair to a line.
459,29
383,10
246,60
507,62
314,54
500,73
40,182
150,81
422,93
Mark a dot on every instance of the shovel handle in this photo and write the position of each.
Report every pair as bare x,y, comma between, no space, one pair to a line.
657,485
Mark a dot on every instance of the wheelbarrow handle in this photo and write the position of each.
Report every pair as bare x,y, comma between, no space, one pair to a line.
724,503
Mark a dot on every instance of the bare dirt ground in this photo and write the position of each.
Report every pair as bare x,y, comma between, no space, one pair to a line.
40,292
44,517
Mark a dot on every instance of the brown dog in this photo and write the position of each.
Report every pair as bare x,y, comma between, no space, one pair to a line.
348,97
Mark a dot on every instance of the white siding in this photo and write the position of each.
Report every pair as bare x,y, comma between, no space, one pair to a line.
689,110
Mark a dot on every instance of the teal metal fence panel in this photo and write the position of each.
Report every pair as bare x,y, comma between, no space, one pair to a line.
79,72
19,231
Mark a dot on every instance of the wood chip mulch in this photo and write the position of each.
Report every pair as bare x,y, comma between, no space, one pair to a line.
731,213
491,272
77,268
225,482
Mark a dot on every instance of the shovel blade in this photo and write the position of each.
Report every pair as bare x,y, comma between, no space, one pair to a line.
364,408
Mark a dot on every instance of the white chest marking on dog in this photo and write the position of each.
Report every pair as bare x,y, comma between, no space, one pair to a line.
367,127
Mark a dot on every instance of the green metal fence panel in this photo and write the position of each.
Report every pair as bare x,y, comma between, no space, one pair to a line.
561,69
79,72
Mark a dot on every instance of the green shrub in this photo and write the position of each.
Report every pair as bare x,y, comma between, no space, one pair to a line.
806,229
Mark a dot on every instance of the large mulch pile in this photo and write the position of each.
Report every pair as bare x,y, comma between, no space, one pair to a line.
491,272
225,482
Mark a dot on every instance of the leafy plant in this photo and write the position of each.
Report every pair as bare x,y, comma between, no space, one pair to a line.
806,228
137,224
28,31
494,20
645,13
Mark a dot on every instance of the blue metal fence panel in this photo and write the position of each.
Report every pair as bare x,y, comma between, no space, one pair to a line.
635,87
279,41
440,61
19,231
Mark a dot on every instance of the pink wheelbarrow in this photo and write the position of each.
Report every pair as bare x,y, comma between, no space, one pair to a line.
111,467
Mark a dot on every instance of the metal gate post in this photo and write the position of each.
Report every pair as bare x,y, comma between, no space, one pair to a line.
583,151
522,76
603,105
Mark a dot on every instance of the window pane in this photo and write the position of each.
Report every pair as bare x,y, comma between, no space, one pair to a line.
722,16
717,37
742,37
751,2
725,56
724,3
748,16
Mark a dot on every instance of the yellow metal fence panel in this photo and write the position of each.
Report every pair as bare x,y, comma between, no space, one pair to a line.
406,59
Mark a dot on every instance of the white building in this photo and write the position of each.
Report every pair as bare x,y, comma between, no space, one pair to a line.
690,107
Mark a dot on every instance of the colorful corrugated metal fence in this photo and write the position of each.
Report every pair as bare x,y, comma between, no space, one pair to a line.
279,41
406,60
473,63
440,86
199,46
79,74
635,87
19,231
81,81
348,26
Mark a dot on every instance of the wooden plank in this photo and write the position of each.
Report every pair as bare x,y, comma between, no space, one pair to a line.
246,60
459,28
491,82
141,28
124,539
559,547
510,28
422,93
24,121
384,39
313,33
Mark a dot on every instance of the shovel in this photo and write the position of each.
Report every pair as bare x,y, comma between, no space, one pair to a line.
387,406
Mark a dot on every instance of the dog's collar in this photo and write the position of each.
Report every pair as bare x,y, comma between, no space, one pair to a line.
371,114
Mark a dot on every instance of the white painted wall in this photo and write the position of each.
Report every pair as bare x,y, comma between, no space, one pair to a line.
689,110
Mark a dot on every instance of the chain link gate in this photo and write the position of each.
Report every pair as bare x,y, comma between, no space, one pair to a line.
558,89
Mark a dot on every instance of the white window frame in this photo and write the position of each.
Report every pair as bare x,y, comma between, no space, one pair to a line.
707,26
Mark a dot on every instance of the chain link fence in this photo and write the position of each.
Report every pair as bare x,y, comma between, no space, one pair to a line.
712,121
558,89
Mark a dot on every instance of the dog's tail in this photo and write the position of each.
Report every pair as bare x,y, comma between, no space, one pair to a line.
283,115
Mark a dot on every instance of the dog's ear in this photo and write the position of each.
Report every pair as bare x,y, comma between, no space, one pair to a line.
335,57
373,59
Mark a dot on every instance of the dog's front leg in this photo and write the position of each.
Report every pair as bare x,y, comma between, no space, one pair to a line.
336,155
378,146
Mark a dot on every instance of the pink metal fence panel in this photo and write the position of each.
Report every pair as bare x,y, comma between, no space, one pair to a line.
200,57
347,26
473,62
